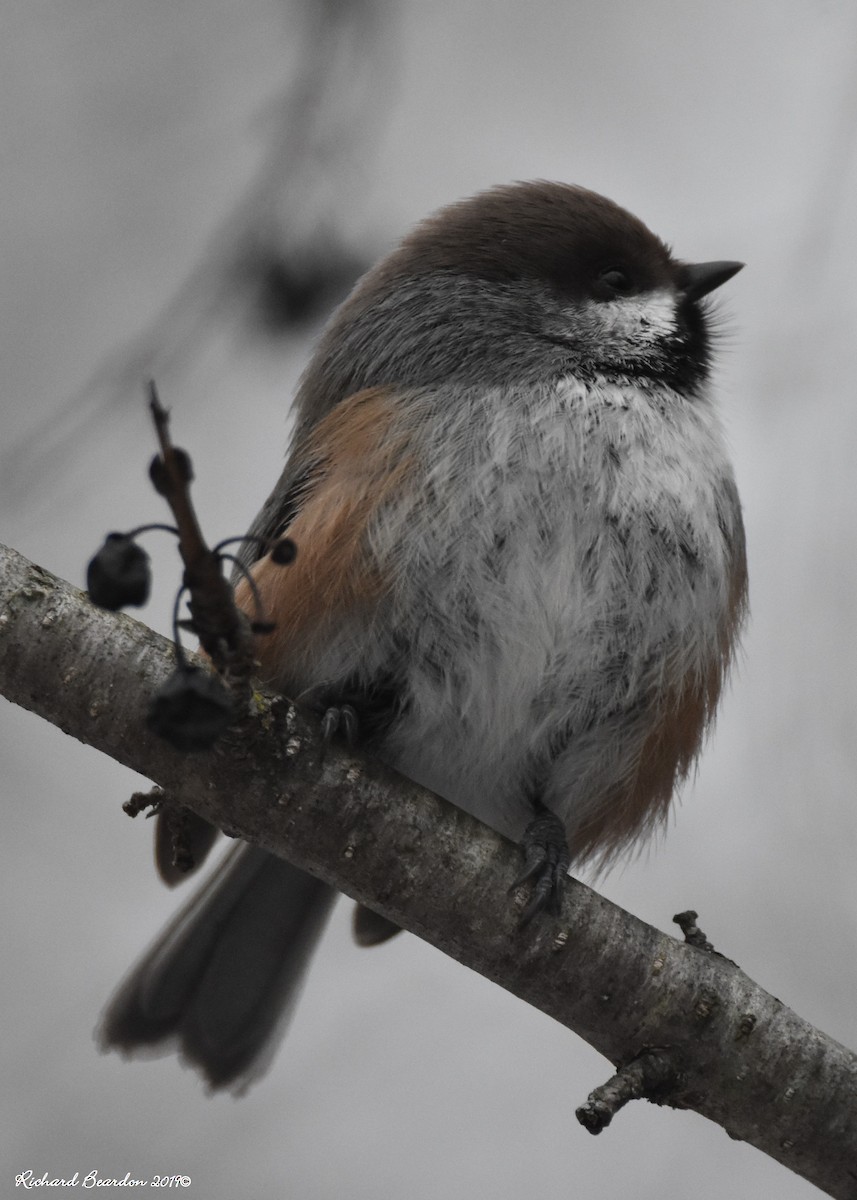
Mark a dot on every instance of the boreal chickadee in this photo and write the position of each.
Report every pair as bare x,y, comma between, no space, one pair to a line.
521,571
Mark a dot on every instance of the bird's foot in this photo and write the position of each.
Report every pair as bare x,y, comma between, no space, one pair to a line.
336,718
546,862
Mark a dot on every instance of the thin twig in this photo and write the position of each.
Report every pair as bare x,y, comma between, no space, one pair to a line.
693,935
651,1076
223,631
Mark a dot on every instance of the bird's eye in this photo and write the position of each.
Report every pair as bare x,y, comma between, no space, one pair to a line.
614,281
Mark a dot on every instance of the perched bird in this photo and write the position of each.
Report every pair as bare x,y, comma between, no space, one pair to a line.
520,578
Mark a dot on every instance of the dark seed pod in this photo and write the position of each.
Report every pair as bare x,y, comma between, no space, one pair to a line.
159,475
119,574
191,710
284,552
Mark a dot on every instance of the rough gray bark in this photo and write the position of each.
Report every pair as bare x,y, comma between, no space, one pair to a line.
724,1046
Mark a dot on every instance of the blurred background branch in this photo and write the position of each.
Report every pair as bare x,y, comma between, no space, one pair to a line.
278,262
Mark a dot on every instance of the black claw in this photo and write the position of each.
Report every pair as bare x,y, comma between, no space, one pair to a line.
536,858
546,861
350,724
336,717
330,723
342,719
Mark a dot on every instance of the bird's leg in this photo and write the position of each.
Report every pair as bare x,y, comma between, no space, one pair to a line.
546,862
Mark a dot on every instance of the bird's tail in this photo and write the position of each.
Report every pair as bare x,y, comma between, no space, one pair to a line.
221,979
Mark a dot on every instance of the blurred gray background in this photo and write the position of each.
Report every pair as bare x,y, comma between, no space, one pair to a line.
184,189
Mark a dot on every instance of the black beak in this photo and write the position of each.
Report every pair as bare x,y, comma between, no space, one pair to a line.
698,279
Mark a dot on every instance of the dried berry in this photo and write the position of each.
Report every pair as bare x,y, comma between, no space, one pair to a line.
160,476
119,574
284,552
191,710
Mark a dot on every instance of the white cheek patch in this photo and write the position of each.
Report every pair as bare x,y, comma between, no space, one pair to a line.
634,324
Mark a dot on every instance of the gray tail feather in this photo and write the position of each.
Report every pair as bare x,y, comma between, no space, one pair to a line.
222,978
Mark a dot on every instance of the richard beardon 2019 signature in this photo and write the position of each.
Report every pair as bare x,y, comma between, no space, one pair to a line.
92,1179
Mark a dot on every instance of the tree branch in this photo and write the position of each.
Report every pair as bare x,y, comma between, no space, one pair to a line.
722,1045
